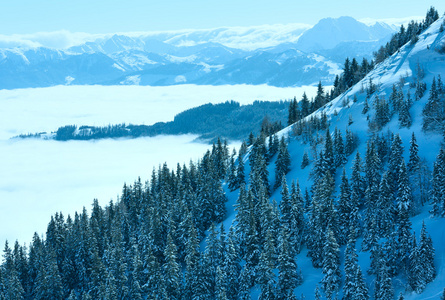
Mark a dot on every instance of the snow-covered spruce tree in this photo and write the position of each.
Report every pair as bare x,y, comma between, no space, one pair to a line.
403,229
12,288
191,263
282,164
220,289
317,293
232,176
396,98
294,112
392,255
438,185
135,291
426,254
48,281
232,267
298,222
357,181
351,142
373,166
289,276
319,99
220,155
413,165
171,270
285,207
272,146
365,107
329,152
422,269
211,197
155,280
319,168
243,207
211,259
305,160
321,216
240,176
382,112
420,89
372,180
339,149
415,268
354,287
385,210
362,292
331,266
267,216
395,160
404,192
434,111
405,119
258,150
370,233
251,253
344,209
259,176
383,289
265,275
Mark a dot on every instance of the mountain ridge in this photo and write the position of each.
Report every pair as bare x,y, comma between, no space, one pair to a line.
189,57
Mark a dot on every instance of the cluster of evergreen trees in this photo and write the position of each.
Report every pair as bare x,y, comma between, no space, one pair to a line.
130,249
353,72
228,120
405,35
434,110
147,244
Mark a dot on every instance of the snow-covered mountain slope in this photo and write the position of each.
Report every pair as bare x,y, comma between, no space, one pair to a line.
346,113
245,38
330,32
260,55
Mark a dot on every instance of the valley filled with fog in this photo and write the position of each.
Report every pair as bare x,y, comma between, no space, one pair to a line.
40,177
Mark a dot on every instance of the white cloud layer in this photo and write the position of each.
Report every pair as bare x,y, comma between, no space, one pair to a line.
247,38
39,178
45,109
57,39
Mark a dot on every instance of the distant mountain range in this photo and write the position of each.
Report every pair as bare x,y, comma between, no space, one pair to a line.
281,55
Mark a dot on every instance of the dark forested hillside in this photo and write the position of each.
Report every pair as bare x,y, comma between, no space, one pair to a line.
228,120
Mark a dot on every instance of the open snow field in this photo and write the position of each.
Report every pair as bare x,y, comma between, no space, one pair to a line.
41,177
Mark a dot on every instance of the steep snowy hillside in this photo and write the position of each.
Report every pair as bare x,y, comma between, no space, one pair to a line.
361,111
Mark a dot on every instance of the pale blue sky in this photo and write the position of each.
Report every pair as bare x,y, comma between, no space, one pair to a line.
99,16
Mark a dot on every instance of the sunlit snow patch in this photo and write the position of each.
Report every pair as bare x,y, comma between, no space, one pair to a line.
180,79
132,80
69,80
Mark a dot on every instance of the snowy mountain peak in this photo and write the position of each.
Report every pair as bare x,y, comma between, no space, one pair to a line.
330,32
279,55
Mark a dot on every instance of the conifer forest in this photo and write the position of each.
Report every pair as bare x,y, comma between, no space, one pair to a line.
346,202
